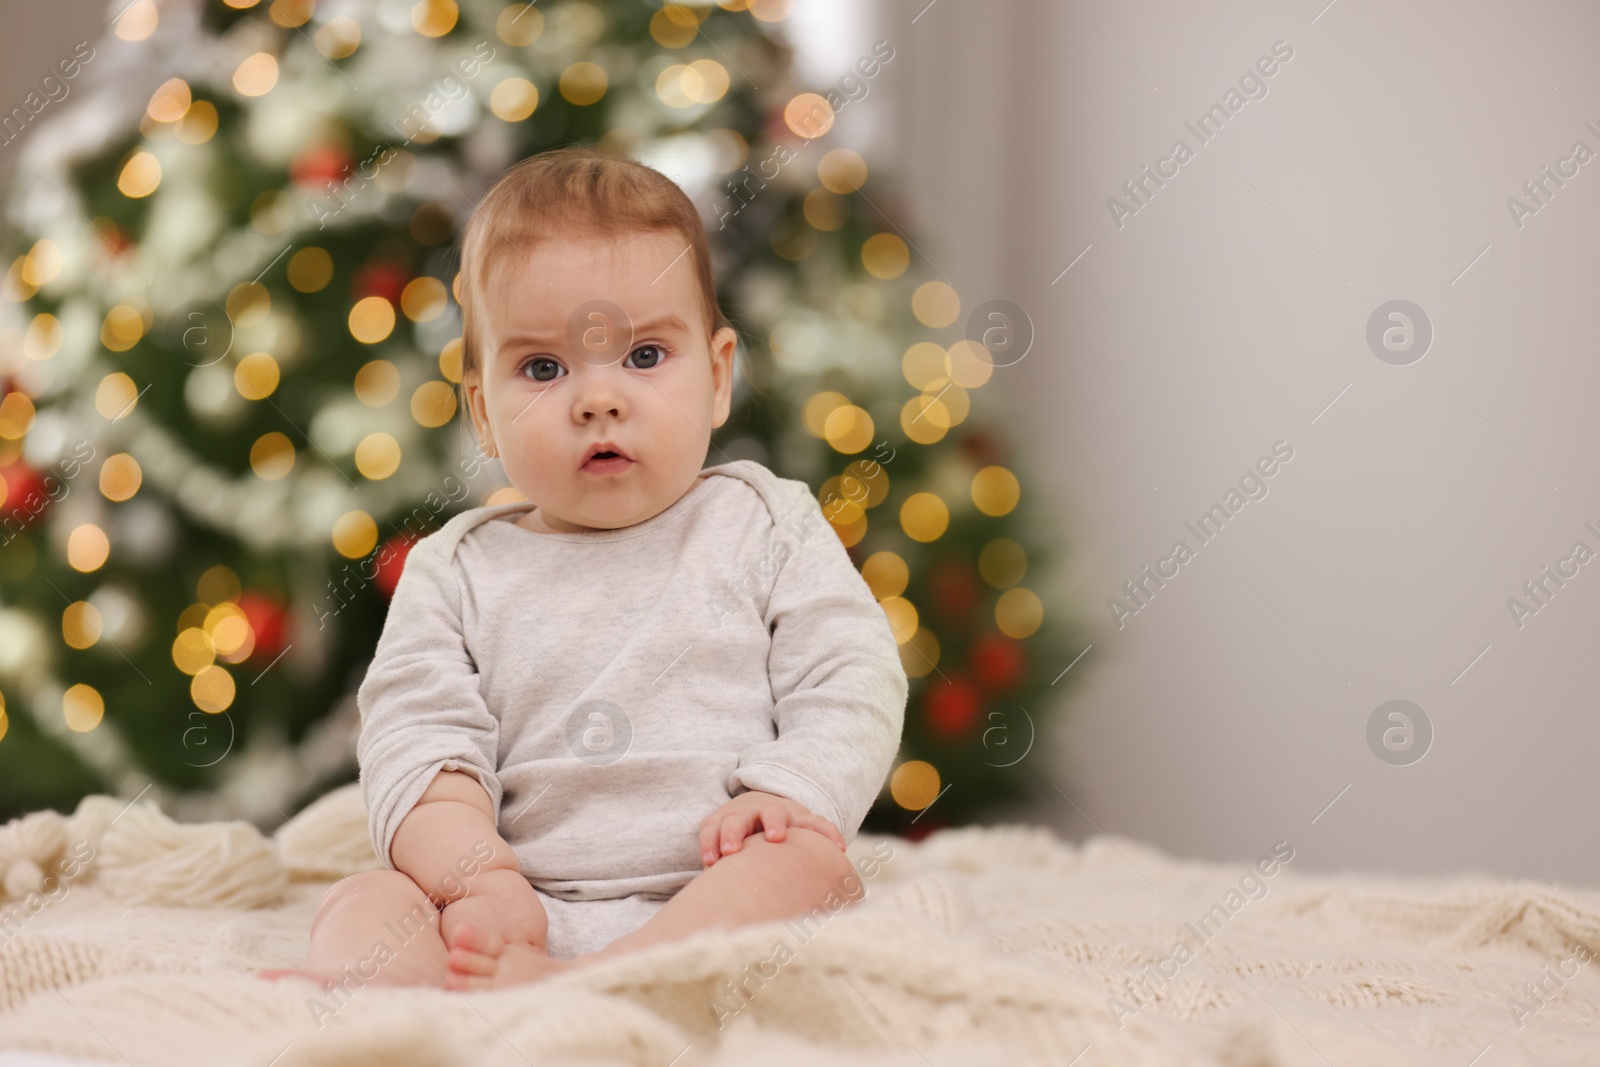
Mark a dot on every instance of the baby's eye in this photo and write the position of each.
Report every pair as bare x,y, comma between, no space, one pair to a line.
542,366
653,354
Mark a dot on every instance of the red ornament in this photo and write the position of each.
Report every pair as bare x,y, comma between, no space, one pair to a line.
997,661
954,587
981,448
319,165
268,621
916,831
950,708
23,495
391,561
379,279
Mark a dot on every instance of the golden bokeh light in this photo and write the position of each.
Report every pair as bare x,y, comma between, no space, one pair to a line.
838,507
674,26
82,707
519,25
339,37
924,517
886,574
371,320
885,256
212,689
450,360
219,583
272,456
122,328
42,263
120,477
514,99
507,494
842,171
291,13
433,404
434,18
81,624
823,210
256,75
1002,563
769,10
248,303
229,629
87,548
423,299
995,490
43,338
1018,612
193,650
817,409
116,395
16,416
170,101
256,376
138,21
199,123
808,115
924,419
902,615
925,363
914,784
377,383
192,616
971,364
583,83
377,456
310,269
920,655
848,428
935,304
355,534
139,175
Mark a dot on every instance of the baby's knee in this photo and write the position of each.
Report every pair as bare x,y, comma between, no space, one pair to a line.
817,859
389,890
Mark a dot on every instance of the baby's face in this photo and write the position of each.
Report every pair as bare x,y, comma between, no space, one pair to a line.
586,342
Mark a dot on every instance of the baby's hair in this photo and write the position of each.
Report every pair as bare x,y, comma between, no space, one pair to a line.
577,189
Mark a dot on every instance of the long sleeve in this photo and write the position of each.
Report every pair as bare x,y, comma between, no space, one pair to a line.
837,681
422,708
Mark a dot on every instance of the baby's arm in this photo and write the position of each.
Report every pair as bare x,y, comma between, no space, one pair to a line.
429,751
837,681
448,845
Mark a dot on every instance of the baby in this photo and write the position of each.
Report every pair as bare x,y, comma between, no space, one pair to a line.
659,699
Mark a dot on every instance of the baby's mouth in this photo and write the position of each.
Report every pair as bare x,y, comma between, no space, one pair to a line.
607,463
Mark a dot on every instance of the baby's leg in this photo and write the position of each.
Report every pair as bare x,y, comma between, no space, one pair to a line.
375,928
764,880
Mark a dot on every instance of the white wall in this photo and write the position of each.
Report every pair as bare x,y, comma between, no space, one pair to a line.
1225,316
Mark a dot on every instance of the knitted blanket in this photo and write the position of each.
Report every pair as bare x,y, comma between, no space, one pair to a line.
127,937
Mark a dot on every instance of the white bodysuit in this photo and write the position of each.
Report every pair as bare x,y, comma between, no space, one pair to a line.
611,688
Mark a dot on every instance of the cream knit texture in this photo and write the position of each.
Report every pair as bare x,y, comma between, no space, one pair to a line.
975,946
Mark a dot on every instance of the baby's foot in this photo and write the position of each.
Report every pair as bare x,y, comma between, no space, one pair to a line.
482,959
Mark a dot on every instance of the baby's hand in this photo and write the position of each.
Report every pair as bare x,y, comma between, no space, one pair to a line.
503,902
725,829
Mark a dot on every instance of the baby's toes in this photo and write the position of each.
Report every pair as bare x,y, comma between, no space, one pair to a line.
466,961
475,940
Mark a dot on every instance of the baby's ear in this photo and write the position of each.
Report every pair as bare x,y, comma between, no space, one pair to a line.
724,349
477,412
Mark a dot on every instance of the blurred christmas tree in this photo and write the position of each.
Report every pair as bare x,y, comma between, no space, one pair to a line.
229,351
